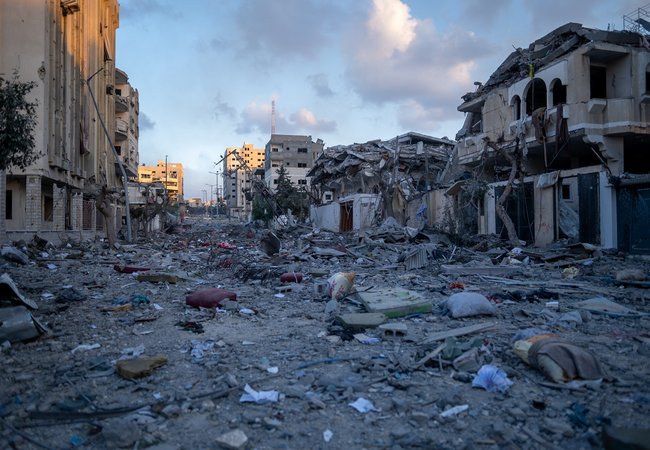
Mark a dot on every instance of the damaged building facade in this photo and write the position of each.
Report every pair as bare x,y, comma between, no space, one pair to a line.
359,185
60,45
571,112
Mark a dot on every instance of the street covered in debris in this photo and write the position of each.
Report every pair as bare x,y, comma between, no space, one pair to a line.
222,335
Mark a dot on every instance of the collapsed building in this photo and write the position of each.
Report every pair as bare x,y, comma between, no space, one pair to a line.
564,125
357,185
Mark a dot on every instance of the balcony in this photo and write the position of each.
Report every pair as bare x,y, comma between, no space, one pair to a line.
121,104
121,129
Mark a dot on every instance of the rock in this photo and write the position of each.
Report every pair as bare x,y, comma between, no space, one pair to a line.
557,426
121,433
234,439
139,367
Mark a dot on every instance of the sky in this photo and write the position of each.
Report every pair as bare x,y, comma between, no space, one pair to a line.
343,71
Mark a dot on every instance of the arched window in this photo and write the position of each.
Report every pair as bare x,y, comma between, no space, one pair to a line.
515,103
535,95
559,92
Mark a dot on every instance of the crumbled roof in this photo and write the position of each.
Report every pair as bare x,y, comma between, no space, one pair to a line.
550,47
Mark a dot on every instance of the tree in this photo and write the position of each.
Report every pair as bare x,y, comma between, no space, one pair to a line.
17,124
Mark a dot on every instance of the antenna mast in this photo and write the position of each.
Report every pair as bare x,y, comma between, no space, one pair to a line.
273,116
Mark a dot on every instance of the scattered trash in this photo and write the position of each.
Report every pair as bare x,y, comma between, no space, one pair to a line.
454,411
340,284
570,273
363,405
365,339
560,361
327,435
85,347
492,379
200,347
468,304
247,312
189,325
259,397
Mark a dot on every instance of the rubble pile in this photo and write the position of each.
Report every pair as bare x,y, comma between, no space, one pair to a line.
224,336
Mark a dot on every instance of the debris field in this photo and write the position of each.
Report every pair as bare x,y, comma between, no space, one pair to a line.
219,335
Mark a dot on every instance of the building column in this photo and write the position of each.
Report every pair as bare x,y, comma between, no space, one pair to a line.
33,208
3,207
93,215
58,207
77,211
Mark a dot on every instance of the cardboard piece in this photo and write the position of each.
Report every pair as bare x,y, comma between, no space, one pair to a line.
395,302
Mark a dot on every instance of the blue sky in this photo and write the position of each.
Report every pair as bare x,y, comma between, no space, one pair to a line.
343,71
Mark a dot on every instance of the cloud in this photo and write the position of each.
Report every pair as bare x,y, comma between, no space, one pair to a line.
395,57
414,116
297,28
256,117
145,123
223,109
306,120
320,83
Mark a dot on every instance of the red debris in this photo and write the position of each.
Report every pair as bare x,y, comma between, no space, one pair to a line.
291,277
209,298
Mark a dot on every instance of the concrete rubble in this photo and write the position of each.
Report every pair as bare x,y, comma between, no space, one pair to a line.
128,362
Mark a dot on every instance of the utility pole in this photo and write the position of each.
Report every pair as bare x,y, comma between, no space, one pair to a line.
216,187
125,180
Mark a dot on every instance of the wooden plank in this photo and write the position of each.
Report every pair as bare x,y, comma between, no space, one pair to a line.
480,270
442,335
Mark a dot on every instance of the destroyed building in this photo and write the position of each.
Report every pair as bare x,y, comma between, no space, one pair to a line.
571,111
356,185
68,50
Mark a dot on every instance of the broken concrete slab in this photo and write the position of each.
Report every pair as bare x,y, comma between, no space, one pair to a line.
17,324
360,321
394,329
10,294
395,302
15,255
139,367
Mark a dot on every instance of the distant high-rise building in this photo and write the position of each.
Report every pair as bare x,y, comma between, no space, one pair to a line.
296,153
239,166
168,173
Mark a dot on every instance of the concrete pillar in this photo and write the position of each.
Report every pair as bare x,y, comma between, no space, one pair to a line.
33,208
608,213
93,215
77,211
58,208
3,206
